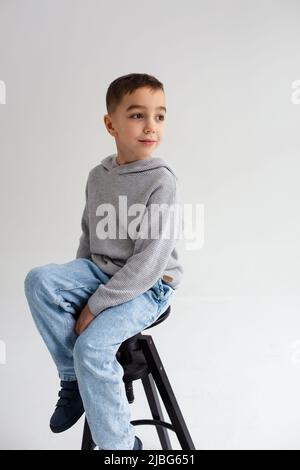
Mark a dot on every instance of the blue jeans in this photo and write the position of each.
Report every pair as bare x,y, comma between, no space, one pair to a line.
56,294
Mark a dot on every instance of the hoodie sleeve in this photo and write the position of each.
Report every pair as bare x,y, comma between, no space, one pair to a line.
83,250
151,252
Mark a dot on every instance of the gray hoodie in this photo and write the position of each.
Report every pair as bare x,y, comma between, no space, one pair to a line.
133,264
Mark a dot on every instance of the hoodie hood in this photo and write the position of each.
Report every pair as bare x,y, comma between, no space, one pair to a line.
110,163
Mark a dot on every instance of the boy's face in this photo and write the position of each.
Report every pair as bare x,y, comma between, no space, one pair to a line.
131,126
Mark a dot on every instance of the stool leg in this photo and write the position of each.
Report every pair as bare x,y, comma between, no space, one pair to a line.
164,387
156,411
129,391
87,440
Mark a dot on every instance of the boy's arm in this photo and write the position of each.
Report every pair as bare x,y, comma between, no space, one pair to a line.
83,250
150,256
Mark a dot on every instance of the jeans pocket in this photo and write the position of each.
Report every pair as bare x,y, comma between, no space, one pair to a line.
162,291
71,296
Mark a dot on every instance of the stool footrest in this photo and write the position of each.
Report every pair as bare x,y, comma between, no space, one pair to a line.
153,422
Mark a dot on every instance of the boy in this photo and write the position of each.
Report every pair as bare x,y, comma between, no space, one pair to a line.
122,279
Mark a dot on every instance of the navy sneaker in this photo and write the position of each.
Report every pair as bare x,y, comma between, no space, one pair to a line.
69,407
138,445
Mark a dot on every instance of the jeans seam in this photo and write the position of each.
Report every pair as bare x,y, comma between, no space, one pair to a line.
59,289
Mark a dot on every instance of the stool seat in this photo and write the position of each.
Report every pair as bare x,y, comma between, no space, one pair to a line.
140,360
131,357
161,318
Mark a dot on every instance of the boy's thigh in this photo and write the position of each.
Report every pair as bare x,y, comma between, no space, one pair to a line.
69,285
79,272
116,324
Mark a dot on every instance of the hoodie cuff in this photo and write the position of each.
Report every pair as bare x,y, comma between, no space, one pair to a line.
97,302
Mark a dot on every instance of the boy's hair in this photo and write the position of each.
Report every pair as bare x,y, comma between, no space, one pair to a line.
128,84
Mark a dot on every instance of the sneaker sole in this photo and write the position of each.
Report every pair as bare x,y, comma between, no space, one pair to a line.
68,425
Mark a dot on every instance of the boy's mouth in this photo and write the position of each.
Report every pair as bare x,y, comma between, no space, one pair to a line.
147,142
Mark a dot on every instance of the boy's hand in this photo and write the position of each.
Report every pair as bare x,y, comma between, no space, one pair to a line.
84,320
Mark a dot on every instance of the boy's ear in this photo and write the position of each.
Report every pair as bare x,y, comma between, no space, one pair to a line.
108,124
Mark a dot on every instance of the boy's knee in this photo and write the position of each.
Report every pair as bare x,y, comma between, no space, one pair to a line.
85,351
33,277
30,279
80,349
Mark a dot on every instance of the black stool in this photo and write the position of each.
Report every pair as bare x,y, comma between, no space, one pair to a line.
140,360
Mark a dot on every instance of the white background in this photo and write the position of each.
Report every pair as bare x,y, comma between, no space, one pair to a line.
231,347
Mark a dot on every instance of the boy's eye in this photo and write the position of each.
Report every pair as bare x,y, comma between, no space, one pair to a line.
137,114
140,114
